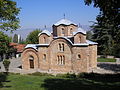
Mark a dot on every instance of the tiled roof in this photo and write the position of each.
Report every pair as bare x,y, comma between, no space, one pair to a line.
19,47
64,22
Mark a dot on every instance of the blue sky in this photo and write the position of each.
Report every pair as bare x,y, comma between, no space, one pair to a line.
38,13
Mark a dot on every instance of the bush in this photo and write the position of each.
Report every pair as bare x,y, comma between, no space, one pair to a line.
6,64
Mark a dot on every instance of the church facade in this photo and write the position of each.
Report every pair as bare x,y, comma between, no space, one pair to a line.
63,50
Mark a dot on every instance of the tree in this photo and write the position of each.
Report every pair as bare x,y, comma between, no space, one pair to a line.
4,43
89,35
15,38
5,48
8,15
107,28
32,38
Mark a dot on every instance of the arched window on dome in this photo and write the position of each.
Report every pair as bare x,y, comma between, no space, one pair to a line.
71,31
79,39
63,31
44,40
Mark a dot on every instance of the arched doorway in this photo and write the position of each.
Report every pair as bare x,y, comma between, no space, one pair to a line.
31,61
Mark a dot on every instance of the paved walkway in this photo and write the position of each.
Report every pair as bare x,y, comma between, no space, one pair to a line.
106,67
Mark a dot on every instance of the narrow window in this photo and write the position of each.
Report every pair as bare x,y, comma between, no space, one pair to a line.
71,30
79,56
79,39
31,61
63,60
44,40
62,47
63,31
60,60
44,57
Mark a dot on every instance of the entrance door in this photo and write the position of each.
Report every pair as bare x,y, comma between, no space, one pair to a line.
31,61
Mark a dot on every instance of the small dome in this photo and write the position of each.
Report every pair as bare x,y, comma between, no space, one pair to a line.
46,32
64,22
79,30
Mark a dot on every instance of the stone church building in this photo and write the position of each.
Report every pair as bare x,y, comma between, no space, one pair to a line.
65,49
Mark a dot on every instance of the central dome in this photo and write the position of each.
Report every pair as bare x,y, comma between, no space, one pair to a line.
64,22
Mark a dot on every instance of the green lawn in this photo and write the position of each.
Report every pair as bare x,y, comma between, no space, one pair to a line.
106,60
65,82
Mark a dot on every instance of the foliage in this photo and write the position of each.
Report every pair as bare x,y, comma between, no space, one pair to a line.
4,43
32,38
106,60
8,15
107,28
6,64
89,35
15,38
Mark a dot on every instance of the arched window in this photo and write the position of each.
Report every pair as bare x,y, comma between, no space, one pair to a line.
61,60
63,31
58,60
31,62
71,30
44,40
62,47
79,39
78,56
44,57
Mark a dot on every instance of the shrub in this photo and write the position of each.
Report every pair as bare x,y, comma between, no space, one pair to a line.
6,64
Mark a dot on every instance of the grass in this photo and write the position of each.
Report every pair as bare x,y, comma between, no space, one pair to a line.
70,82
106,60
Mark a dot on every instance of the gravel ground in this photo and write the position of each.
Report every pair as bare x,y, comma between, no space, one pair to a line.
103,67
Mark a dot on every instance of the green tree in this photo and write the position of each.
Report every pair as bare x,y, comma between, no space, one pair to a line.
32,38
4,43
107,28
15,38
89,35
8,15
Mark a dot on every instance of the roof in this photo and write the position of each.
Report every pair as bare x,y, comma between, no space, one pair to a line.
19,47
45,32
65,22
79,30
34,46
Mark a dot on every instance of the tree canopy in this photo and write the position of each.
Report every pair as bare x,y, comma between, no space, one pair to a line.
4,43
9,15
107,28
33,38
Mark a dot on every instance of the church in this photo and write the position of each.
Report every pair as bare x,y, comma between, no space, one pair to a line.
63,50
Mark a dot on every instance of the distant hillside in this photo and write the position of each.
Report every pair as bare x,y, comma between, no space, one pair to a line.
25,32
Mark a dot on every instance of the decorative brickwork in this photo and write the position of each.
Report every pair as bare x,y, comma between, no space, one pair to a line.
64,50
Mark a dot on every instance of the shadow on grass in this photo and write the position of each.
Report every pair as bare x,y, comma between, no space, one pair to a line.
81,83
109,66
3,78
